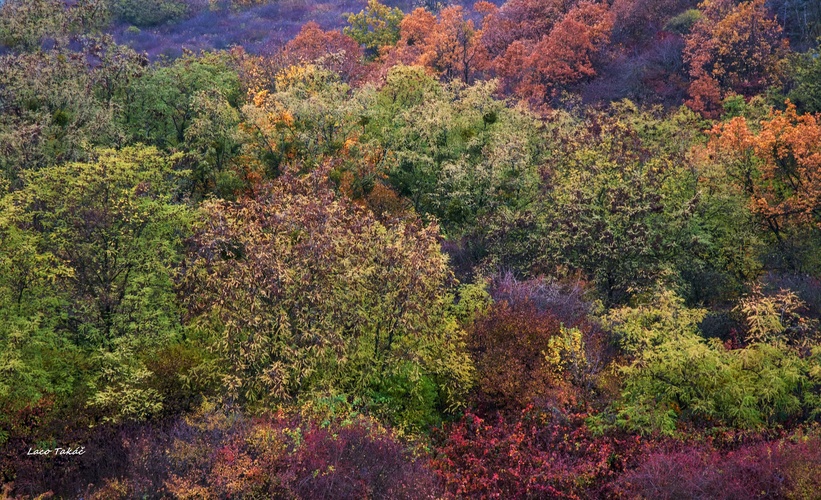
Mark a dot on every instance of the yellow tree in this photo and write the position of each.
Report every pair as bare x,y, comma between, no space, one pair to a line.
296,310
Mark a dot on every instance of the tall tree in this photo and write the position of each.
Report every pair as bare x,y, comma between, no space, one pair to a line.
89,254
297,311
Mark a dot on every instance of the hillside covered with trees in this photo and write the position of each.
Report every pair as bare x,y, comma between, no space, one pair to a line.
523,249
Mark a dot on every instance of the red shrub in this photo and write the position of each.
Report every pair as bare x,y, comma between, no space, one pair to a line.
762,470
735,47
540,455
508,347
356,462
539,48
46,425
515,344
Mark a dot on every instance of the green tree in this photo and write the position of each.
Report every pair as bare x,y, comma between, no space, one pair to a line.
620,200
24,24
90,250
60,104
458,152
35,360
213,138
159,107
806,73
148,12
306,121
376,26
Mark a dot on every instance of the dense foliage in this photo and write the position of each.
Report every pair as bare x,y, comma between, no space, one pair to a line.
521,249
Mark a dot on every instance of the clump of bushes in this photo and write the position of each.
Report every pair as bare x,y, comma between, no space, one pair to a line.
538,454
782,469
682,23
219,454
143,13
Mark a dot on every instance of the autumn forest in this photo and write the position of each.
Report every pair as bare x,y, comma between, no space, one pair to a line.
522,249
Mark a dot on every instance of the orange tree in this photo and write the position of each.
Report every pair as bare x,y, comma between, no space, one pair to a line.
553,46
777,167
330,49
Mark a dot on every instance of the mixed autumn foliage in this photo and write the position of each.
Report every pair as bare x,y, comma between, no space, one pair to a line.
521,249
